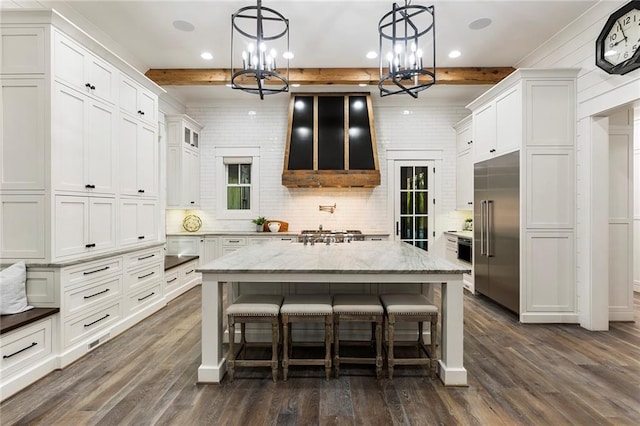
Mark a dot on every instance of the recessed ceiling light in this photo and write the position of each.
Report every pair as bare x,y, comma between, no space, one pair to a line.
454,54
362,84
407,112
372,55
252,113
288,55
206,55
295,85
479,24
183,26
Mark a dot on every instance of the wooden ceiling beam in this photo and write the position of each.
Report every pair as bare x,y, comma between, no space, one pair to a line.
306,76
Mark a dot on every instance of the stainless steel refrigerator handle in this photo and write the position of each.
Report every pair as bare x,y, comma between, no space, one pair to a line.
481,227
489,227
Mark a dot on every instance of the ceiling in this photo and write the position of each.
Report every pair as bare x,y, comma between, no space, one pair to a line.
326,33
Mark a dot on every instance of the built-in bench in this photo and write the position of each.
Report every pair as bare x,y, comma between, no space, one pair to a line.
180,275
15,321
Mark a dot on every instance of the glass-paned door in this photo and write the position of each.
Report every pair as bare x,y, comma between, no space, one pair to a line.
414,201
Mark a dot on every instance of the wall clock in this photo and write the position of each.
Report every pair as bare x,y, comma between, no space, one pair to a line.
617,45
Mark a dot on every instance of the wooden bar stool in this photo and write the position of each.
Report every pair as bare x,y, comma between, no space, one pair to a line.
358,308
306,308
410,308
253,308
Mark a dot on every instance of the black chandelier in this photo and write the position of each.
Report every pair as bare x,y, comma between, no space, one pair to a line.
259,30
407,42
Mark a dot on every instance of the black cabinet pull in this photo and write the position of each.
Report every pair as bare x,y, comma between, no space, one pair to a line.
98,320
190,272
97,270
172,280
98,293
146,257
376,239
147,275
140,112
234,241
469,202
20,351
90,245
146,297
469,143
141,191
192,202
141,237
87,85
193,145
492,150
90,186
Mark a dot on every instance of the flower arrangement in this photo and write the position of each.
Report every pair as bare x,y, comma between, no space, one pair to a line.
259,223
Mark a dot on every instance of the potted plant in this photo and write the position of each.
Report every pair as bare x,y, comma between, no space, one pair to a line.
259,223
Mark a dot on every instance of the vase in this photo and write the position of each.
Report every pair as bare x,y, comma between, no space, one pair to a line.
259,227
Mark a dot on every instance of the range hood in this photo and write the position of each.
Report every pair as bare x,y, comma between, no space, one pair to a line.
331,142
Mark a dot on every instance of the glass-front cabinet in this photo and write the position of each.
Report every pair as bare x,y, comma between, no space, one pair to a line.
414,200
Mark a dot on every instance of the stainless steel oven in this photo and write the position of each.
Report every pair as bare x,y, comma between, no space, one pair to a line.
465,252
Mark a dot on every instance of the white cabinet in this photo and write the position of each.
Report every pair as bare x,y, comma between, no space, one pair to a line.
83,142
82,70
191,245
138,101
138,221
138,158
83,225
183,162
497,125
533,111
464,165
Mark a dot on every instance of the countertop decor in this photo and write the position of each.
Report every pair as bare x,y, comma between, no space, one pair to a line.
192,223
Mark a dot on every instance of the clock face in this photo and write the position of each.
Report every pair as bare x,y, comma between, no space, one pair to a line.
623,38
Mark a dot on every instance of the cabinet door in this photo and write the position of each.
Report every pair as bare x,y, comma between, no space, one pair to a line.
174,176
464,138
102,223
464,181
22,150
128,151
509,121
146,161
128,96
101,76
69,62
190,178
484,132
211,249
147,221
128,222
100,148
147,103
71,225
69,129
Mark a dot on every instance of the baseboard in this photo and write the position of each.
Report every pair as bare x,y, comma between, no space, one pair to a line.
169,296
20,380
549,318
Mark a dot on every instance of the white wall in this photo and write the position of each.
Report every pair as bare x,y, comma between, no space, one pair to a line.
597,92
228,123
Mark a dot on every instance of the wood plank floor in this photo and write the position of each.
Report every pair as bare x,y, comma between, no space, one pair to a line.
518,374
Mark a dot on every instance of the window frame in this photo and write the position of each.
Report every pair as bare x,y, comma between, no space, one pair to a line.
237,155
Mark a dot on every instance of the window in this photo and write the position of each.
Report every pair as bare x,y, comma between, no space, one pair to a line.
238,186
237,183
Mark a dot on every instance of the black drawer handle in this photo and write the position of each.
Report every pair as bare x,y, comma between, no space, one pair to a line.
97,321
90,245
147,275
192,202
193,270
141,237
469,202
98,293
492,150
146,257
97,270
286,239
20,351
171,280
141,191
146,297
90,186
234,241
376,239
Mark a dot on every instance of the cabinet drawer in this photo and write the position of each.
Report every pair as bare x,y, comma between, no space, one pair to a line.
452,243
23,347
234,241
144,297
171,279
86,325
91,271
144,257
260,240
141,277
81,298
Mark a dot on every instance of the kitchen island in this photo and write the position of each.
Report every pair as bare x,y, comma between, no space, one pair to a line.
387,262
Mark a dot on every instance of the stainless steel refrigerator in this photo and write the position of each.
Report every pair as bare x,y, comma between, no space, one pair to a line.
496,238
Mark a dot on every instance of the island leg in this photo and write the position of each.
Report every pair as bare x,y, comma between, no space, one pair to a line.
452,371
213,365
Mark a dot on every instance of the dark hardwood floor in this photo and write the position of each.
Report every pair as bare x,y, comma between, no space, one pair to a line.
518,374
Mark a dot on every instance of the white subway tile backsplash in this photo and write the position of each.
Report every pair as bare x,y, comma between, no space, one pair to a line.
229,124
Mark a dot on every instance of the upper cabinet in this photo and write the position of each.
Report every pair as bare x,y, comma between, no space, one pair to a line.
331,142
183,162
464,165
138,101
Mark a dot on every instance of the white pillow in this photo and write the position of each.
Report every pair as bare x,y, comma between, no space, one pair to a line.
13,292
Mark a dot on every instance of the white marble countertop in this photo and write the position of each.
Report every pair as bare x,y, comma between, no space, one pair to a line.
464,234
358,257
260,234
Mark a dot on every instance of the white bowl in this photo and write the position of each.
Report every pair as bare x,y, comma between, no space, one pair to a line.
274,226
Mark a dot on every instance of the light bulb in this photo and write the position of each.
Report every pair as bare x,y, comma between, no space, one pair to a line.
250,48
413,47
244,55
398,48
263,47
389,56
419,53
273,53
